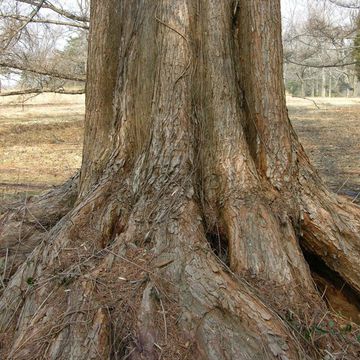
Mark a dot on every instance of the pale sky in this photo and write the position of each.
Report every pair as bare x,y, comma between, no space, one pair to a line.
297,10
292,11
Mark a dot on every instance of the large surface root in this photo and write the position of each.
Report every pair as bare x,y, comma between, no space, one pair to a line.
329,227
124,287
65,317
24,225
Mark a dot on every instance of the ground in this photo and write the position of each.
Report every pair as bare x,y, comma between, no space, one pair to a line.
41,141
330,135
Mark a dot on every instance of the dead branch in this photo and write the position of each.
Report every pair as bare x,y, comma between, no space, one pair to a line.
56,9
48,72
305,98
41,91
47,21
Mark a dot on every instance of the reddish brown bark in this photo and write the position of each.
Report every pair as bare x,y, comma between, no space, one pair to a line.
195,203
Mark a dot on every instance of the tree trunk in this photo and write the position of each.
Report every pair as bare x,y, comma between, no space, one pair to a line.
313,88
303,88
199,221
323,82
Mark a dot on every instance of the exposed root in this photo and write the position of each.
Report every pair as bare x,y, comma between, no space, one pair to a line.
23,226
131,271
330,227
172,299
209,302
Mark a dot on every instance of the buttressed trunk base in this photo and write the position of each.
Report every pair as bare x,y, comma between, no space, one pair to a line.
196,204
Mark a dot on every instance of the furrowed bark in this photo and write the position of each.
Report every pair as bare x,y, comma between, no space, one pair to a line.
23,226
325,226
260,243
258,36
37,287
104,37
185,160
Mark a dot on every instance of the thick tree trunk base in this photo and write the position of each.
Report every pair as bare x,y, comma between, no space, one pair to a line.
24,225
159,290
197,208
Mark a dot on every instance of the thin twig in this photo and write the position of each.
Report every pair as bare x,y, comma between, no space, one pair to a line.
22,26
305,98
356,197
164,317
343,184
58,10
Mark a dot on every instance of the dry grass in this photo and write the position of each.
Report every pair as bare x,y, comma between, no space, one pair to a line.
330,136
323,103
40,141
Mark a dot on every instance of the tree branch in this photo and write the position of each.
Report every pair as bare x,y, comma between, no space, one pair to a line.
32,15
47,21
48,72
320,66
305,98
40,91
26,22
56,9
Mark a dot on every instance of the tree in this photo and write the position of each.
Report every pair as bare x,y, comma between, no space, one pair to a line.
197,221
74,54
32,36
318,49
356,52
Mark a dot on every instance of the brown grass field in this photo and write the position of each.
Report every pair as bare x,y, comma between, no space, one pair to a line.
41,141
331,137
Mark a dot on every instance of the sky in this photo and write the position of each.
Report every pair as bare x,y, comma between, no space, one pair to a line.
292,11
299,9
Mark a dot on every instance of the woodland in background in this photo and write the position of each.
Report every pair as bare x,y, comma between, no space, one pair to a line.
321,51
43,46
197,227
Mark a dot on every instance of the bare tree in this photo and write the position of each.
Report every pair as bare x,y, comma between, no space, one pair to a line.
319,51
30,36
350,4
198,222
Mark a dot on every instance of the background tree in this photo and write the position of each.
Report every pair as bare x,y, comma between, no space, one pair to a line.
357,50
319,48
198,223
36,37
